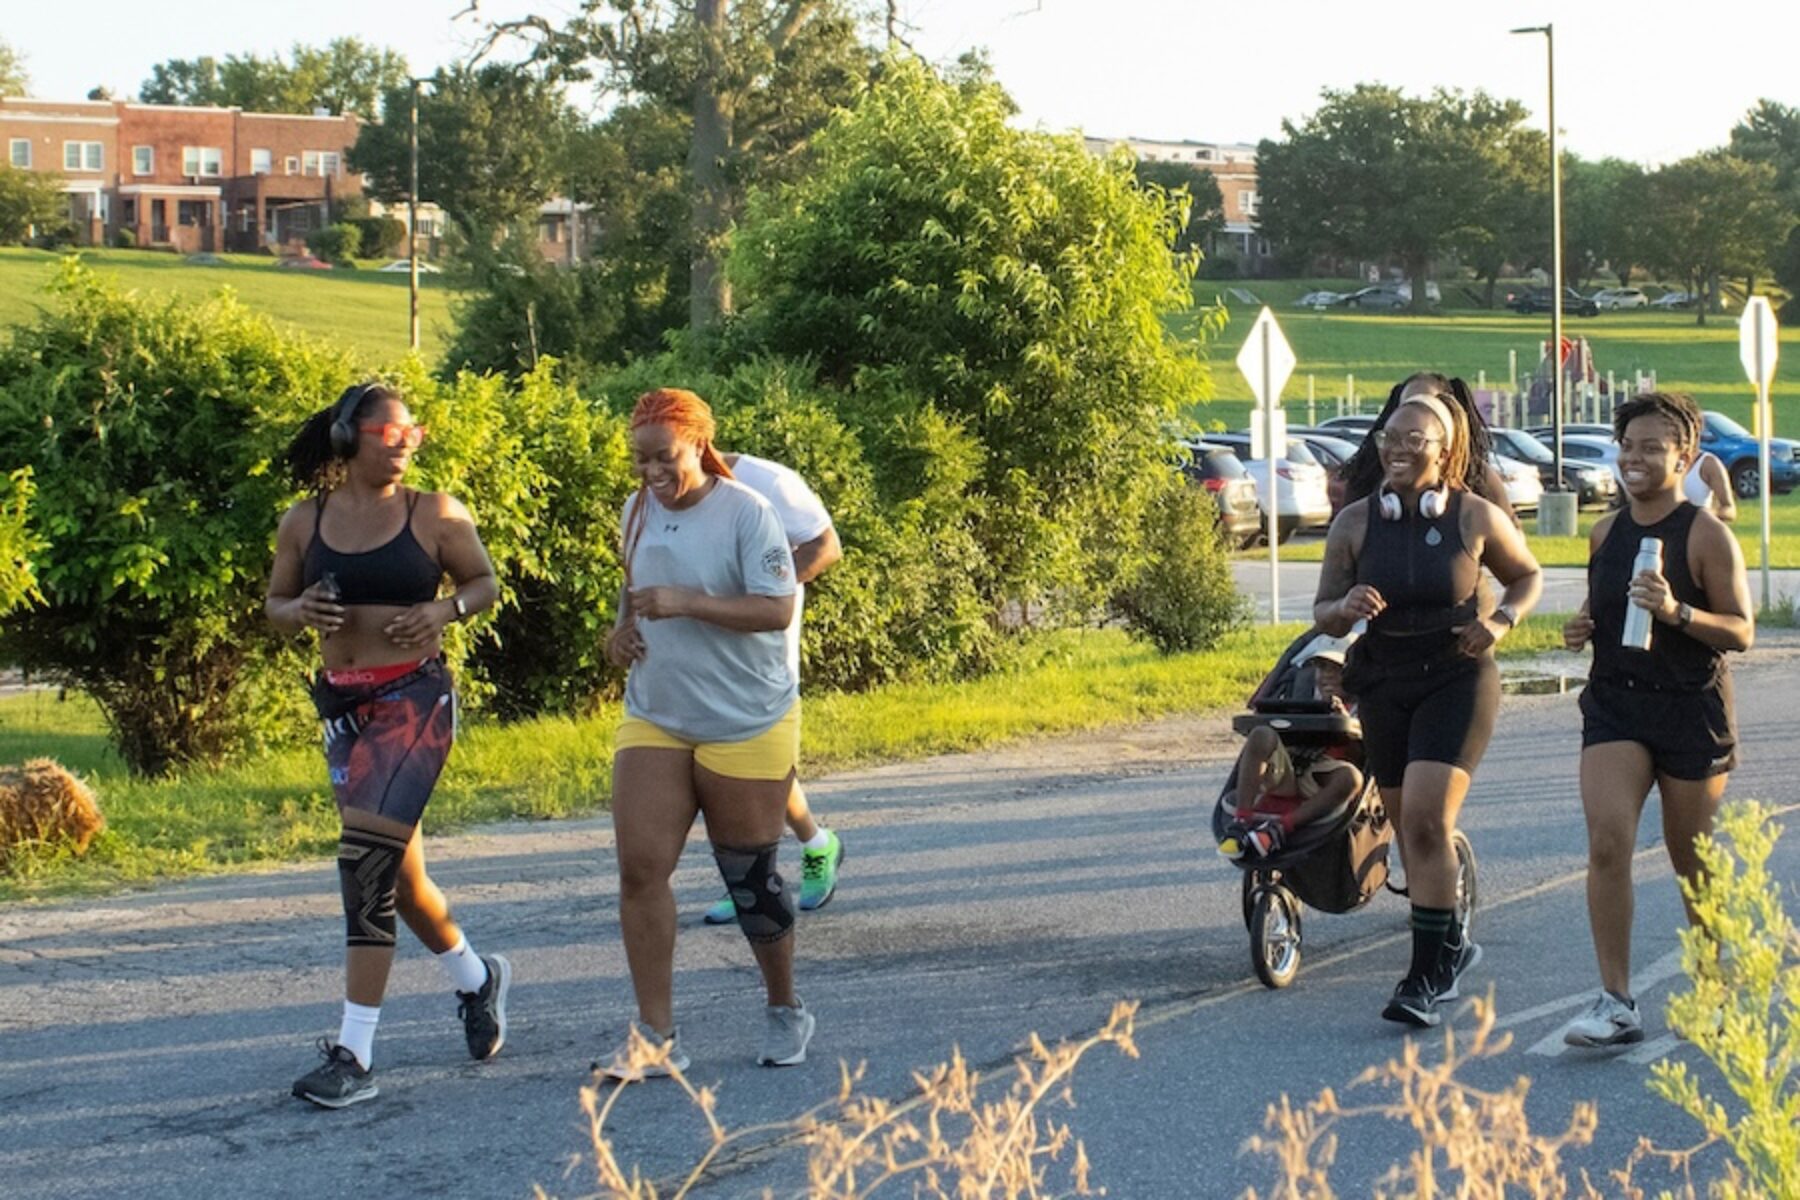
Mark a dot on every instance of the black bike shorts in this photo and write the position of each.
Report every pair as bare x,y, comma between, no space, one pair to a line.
1443,712
1689,734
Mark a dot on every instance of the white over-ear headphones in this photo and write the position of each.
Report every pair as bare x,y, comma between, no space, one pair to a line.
1432,504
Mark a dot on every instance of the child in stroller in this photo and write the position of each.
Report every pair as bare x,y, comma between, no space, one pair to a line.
1282,783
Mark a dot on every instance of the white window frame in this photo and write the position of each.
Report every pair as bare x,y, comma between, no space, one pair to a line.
1249,202
196,159
321,164
149,157
13,146
89,156
263,165
290,165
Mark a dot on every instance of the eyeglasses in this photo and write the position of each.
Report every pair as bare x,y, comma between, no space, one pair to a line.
393,434
1413,441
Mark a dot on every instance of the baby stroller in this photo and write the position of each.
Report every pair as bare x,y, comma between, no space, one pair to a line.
1335,864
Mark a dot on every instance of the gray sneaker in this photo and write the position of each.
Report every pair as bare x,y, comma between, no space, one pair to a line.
1609,1021
483,1012
626,1063
786,1035
339,1081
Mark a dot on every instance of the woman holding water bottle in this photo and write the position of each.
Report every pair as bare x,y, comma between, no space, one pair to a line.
1667,597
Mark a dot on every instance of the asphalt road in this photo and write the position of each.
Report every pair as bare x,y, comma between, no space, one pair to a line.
147,1041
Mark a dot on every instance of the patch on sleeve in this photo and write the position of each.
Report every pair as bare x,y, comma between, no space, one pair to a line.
775,563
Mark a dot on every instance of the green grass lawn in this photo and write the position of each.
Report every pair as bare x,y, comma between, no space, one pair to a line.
364,311
277,807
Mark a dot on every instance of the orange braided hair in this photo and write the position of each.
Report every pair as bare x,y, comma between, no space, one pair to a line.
691,418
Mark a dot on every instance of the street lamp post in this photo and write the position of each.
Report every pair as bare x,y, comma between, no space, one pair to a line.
1551,515
412,222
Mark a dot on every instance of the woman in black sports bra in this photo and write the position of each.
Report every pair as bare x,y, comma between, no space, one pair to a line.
1660,716
362,562
1407,560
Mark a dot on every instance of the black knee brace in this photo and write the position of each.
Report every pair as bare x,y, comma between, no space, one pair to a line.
765,911
368,869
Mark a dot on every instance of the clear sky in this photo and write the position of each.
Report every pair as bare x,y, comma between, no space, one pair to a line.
1648,80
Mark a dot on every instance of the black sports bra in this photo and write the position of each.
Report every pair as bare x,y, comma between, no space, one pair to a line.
398,573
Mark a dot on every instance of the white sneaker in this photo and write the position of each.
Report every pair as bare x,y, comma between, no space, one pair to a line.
1609,1021
786,1035
644,1054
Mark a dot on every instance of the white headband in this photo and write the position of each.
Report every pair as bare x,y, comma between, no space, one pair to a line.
1438,409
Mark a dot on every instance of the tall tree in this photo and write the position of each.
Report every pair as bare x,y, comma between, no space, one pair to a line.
753,78
1770,133
1603,208
1206,203
14,81
488,146
1376,174
347,75
1712,215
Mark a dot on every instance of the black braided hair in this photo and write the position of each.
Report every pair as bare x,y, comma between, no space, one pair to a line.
1362,474
1677,408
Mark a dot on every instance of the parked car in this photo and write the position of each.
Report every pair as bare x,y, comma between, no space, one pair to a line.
1538,300
1736,447
1593,486
1594,452
1673,300
1320,299
1576,428
1333,452
1523,487
1608,299
302,262
1390,297
405,265
1218,470
1354,427
1301,498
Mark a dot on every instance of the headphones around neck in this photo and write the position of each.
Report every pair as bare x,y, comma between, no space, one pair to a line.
1432,504
343,419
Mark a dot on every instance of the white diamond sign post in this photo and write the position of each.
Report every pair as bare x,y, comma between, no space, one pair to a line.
1267,361
1757,348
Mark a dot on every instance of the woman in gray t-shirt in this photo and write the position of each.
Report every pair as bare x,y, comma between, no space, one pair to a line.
712,719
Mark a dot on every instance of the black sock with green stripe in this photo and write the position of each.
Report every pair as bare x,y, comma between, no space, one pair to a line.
1430,929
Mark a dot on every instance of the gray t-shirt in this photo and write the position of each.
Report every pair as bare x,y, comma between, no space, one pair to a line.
697,680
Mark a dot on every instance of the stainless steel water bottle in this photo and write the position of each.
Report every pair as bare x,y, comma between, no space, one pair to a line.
1638,620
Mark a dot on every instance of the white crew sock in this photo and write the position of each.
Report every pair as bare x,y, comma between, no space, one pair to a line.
466,970
819,841
357,1033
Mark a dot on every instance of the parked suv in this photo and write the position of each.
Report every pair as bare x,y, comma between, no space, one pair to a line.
1592,484
1389,297
1218,470
1301,498
1736,447
1607,299
1538,300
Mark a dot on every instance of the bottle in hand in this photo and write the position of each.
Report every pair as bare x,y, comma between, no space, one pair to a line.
1636,635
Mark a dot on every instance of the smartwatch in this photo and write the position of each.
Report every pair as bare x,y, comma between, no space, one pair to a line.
1508,614
1684,615
461,606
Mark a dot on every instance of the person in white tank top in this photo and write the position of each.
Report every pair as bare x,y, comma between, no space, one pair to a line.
1706,485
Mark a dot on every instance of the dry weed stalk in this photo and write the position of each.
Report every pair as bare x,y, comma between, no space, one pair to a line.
1473,1144
945,1142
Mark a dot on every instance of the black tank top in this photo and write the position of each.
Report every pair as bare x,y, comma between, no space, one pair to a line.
1675,661
398,573
1421,568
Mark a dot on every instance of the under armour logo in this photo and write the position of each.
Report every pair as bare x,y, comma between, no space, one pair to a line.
670,528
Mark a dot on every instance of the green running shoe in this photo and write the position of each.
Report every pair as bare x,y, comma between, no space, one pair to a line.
818,874
722,912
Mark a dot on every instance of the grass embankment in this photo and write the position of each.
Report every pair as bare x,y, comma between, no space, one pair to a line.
277,808
363,311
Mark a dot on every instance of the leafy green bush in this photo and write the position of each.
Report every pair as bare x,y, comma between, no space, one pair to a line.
337,244
28,201
151,426
125,238
379,237
18,541
935,255
1742,1008
1184,597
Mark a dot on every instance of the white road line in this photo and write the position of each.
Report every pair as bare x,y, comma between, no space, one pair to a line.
1653,1049
1552,1044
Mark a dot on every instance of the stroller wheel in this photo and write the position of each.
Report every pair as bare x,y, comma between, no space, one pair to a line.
1465,878
1254,880
1275,936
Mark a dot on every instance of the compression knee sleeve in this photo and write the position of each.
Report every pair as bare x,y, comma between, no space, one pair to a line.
369,869
765,911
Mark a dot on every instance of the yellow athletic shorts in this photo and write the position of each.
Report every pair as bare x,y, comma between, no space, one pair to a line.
772,754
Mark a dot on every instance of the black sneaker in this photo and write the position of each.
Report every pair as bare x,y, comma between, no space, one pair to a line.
1452,965
483,1013
339,1081
1414,1003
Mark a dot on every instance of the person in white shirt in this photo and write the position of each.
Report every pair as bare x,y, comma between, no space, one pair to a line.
815,546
